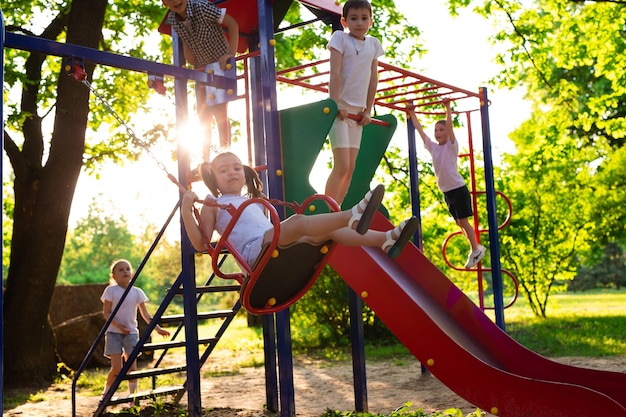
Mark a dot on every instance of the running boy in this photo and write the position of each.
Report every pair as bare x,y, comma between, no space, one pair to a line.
353,83
444,153
199,23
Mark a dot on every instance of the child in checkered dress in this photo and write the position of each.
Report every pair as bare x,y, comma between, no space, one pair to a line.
200,24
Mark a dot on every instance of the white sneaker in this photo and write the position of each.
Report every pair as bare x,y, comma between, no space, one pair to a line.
475,256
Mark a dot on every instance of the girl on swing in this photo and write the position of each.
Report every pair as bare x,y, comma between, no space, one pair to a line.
226,177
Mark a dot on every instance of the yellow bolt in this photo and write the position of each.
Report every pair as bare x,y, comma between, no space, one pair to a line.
68,67
271,301
494,411
324,250
275,253
279,172
272,42
430,362
229,66
326,110
230,91
364,294
337,2
209,71
312,207
212,96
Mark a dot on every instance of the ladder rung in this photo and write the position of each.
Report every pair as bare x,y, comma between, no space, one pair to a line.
177,318
218,288
155,371
147,394
212,288
174,344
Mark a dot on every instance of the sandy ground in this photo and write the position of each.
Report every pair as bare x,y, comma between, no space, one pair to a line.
319,385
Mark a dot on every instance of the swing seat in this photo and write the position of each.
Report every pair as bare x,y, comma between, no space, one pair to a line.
286,277
280,275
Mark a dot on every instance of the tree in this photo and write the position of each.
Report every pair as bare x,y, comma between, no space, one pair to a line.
46,170
46,164
97,240
569,56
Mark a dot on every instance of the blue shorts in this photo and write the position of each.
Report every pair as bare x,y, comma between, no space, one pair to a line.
118,343
459,202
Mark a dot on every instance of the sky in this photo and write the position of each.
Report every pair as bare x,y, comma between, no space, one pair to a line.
459,55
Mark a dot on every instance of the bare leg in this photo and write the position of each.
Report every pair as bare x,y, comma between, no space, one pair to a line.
318,226
132,383
468,231
220,111
322,225
116,367
338,182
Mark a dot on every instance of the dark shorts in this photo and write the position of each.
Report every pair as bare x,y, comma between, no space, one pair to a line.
459,202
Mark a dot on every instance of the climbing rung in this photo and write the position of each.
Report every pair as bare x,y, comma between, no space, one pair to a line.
201,289
178,343
218,288
159,392
177,318
154,372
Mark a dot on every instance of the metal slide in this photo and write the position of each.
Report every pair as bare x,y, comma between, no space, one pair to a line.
463,348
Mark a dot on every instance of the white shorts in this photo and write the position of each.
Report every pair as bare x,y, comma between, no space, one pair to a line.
211,96
346,133
252,250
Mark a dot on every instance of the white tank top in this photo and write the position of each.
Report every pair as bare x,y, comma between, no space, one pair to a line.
252,224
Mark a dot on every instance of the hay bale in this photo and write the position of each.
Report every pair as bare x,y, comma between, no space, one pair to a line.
69,301
75,337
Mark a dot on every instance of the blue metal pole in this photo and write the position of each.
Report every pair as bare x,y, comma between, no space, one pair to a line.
274,179
357,339
1,292
48,47
414,190
260,158
190,320
492,219
414,182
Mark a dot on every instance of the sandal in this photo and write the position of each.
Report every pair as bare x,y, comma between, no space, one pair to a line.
405,232
368,206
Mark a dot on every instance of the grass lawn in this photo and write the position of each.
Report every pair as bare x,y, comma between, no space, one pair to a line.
590,323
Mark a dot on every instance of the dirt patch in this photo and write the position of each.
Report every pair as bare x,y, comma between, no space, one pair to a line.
319,385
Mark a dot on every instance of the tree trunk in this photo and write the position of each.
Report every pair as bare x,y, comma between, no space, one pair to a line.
43,198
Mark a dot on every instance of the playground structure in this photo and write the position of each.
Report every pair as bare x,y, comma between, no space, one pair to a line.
465,349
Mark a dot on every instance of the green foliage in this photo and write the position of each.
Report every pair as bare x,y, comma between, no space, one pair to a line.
322,318
130,28
568,167
98,239
609,272
308,43
103,237
404,411
8,205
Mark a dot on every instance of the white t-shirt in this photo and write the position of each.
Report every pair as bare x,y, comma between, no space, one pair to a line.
127,314
445,164
355,71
